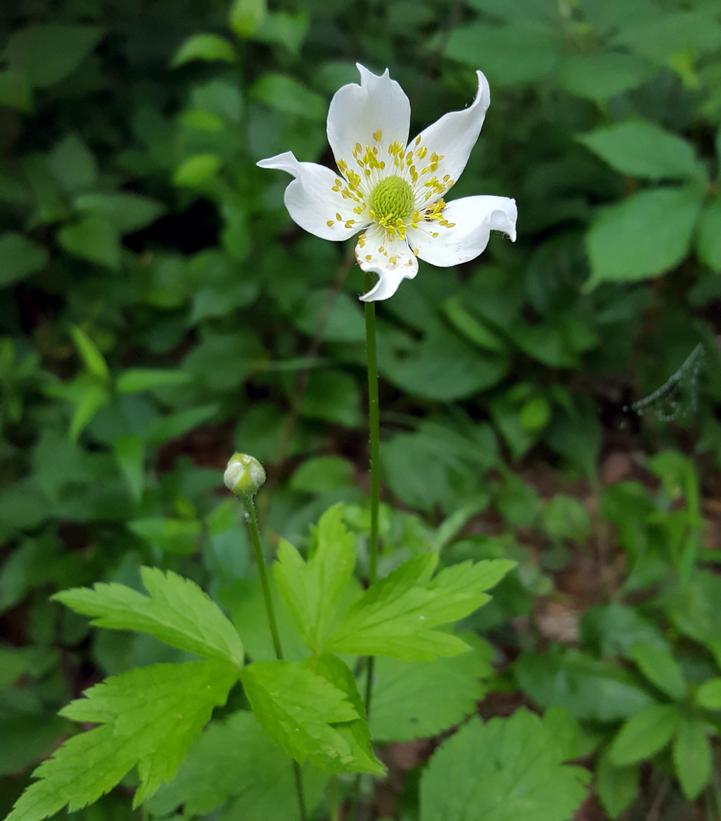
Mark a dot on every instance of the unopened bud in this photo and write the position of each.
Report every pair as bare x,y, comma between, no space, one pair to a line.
244,475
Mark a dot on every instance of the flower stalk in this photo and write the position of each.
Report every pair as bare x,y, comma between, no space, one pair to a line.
243,477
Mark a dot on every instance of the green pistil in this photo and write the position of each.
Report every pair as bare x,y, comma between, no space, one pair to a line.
392,201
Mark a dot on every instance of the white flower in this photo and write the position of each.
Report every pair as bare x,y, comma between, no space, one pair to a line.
393,190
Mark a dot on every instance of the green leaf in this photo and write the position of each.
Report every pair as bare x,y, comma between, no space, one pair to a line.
169,535
15,90
643,149
396,615
19,257
708,238
176,612
73,164
89,352
196,171
94,239
644,235
332,396
412,700
125,211
237,760
130,455
692,757
506,769
708,694
645,734
149,717
539,45
588,688
321,474
135,380
660,668
92,399
49,52
205,47
616,786
311,590
289,96
246,16
302,707
601,76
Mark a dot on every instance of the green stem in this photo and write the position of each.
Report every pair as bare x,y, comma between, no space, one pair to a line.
254,532
374,436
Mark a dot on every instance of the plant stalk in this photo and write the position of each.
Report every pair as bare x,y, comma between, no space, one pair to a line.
374,437
254,533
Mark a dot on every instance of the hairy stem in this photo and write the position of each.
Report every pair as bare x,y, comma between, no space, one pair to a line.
254,532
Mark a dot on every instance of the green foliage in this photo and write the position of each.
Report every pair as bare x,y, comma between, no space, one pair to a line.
312,590
313,711
413,700
148,718
507,768
175,611
235,761
397,615
160,310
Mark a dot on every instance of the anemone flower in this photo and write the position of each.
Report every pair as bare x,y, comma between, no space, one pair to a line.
391,191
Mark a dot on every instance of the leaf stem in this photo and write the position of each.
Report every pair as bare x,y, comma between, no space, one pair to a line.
254,533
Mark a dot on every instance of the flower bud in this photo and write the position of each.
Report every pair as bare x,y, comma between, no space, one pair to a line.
244,475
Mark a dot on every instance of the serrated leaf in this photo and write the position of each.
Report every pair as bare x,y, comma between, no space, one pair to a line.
237,760
643,735
176,612
300,705
646,234
396,616
692,757
616,786
245,16
312,589
149,716
643,149
419,700
660,668
505,769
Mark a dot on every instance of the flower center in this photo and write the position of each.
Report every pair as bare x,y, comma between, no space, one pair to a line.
391,201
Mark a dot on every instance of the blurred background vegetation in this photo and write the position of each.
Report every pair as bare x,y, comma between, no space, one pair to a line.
160,310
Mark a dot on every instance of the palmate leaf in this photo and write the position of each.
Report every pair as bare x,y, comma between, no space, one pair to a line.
311,589
412,700
176,612
506,770
148,718
312,709
235,761
396,616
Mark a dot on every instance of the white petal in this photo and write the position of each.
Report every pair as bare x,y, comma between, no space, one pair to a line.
452,138
311,201
378,106
473,219
392,260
